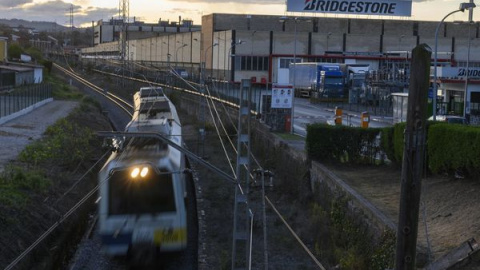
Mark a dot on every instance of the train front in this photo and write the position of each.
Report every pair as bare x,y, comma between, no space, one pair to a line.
142,202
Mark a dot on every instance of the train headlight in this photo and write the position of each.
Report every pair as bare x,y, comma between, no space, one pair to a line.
135,172
144,172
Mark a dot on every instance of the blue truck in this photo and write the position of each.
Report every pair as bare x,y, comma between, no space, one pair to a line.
323,80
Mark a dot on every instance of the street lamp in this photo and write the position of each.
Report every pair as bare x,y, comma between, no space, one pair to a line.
202,91
295,19
328,37
462,8
151,44
176,53
468,66
231,56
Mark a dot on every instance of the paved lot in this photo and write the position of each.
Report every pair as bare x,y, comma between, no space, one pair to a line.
17,133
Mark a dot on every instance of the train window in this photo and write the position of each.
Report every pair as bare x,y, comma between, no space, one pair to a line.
150,195
151,92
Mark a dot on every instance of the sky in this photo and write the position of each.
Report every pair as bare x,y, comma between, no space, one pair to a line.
151,11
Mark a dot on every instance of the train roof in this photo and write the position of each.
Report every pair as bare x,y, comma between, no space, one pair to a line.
148,92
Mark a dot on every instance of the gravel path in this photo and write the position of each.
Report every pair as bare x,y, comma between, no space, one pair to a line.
17,133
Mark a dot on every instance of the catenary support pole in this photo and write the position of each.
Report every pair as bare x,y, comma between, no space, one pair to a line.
413,157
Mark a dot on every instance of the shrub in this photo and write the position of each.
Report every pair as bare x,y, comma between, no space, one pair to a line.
454,147
16,181
65,144
342,144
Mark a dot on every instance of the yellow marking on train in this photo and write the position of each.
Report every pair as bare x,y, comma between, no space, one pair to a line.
169,236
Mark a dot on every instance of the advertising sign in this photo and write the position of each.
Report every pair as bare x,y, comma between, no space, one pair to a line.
282,96
367,7
457,72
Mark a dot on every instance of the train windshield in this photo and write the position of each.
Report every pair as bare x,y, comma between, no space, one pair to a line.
151,194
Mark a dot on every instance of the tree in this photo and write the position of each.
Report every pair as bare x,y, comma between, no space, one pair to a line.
14,51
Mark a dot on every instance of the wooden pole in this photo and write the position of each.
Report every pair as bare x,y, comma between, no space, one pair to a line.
413,157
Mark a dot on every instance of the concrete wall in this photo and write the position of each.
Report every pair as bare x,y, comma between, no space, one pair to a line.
398,28
283,43
327,25
362,43
365,27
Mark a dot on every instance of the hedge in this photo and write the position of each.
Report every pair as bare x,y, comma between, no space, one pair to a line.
454,147
342,143
450,147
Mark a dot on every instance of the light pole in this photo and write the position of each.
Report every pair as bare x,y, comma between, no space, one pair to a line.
466,73
176,53
151,44
328,38
202,90
231,56
462,8
295,19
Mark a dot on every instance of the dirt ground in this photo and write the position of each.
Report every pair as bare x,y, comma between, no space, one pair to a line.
449,212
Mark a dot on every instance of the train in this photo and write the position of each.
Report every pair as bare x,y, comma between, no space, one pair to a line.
142,185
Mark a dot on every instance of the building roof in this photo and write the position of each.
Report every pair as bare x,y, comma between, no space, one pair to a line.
16,68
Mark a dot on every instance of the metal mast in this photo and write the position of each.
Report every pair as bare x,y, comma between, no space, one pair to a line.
71,18
70,11
123,11
242,222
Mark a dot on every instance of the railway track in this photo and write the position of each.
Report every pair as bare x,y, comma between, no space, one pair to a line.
122,104
89,256
125,106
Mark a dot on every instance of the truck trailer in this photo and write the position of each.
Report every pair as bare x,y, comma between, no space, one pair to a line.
325,79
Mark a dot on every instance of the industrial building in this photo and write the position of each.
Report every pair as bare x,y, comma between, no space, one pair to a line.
261,47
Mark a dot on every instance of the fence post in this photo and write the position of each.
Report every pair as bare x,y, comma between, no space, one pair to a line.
413,157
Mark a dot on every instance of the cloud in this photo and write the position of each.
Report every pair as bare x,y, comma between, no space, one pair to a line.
13,3
54,11
257,2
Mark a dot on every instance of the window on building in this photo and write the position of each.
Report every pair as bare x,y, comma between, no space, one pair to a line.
475,103
253,63
249,63
470,64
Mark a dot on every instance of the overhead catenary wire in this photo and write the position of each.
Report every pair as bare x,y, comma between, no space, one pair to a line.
259,165
213,99
265,197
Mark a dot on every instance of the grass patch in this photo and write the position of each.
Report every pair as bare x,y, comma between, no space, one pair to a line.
290,137
61,90
16,182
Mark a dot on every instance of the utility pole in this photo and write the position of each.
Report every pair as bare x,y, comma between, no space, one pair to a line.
242,237
413,157
124,11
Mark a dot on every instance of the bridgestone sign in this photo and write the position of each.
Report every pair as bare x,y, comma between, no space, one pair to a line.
382,7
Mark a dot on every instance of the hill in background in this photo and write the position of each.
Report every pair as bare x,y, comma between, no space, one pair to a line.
39,26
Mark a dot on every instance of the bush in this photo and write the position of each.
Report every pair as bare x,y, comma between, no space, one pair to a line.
342,144
16,181
65,144
454,147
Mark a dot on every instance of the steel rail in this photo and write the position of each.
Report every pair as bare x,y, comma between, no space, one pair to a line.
124,105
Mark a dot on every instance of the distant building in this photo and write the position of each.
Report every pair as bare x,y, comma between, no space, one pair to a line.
14,75
105,32
234,47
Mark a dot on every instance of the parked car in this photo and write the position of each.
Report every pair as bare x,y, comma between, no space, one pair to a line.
452,119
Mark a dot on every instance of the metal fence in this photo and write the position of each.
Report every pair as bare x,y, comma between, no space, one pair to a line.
23,97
